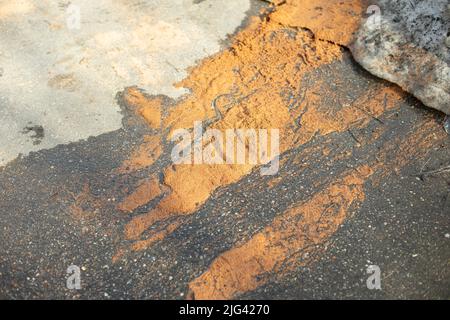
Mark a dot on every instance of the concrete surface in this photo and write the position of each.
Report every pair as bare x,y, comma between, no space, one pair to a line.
403,225
59,206
62,76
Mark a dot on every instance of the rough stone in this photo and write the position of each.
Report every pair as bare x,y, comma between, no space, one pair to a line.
405,42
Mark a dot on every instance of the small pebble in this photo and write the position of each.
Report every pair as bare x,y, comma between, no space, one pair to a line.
447,124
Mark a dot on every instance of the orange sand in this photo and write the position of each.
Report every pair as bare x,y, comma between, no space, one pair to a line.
335,21
145,155
85,205
148,190
149,109
292,233
251,77
248,85
287,241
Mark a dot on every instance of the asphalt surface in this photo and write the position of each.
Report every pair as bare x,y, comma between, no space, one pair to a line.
402,226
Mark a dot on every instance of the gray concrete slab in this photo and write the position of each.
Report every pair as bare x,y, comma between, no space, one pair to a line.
62,62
